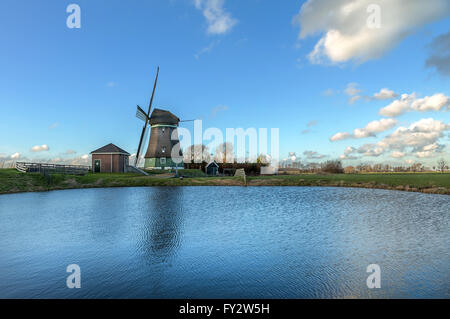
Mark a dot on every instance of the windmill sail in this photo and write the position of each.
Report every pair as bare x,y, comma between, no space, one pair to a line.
146,119
140,114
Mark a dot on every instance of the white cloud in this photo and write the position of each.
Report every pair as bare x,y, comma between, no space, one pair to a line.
353,99
15,155
53,125
429,150
347,157
70,152
206,49
219,21
80,160
397,154
39,148
370,130
313,155
347,153
398,106
348,150
340,136
374,127
409,102
417,136
345,31
431,103
352,89
420,139
385,94
370,150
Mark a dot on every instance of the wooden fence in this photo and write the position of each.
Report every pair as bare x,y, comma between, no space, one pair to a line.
45,168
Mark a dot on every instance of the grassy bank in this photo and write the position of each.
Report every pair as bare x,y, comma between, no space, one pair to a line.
12,181
416,182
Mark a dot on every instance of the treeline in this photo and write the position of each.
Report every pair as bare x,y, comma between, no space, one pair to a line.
251,169
335,167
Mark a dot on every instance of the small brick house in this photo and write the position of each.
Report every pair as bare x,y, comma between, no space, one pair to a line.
109,159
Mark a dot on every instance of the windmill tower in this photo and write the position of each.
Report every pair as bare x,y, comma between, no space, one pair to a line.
161,150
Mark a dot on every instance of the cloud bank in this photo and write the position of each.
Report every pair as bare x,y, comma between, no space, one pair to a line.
347,35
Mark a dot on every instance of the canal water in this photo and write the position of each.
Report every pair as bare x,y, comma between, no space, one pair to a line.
224,242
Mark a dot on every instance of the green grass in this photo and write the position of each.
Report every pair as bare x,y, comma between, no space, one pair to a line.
12,181
413,180
192,173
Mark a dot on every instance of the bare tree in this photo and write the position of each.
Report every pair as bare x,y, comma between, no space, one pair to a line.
441,164
197,154
416,167
224,153
332,167
378,168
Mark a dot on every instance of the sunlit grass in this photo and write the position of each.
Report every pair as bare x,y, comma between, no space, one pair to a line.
12,181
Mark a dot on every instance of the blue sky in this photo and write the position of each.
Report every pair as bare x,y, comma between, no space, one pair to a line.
74,90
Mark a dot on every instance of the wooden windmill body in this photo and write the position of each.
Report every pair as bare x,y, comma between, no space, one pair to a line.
163,151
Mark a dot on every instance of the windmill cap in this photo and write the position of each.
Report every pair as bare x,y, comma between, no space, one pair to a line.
163,117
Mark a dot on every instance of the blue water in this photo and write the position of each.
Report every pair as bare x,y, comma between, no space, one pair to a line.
224,242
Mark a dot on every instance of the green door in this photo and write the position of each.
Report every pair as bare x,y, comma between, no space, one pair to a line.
96,166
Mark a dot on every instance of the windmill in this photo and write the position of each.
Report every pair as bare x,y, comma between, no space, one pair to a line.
163,136
145,117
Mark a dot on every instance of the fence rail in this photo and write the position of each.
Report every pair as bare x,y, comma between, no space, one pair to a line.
45,168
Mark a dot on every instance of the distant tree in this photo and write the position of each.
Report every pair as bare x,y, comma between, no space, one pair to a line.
333,166
416,167
197,154
263,159
224,153
378,168
441,165
361,167
349,170
312,167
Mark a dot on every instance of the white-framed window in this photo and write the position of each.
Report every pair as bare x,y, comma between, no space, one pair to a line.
162,161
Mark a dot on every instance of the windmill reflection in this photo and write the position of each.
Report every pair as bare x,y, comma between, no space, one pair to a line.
163,224
161,233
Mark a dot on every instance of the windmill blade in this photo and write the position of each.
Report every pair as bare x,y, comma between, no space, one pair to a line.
187,121
146,119
147,130
140,114
144,129
153,93
144,136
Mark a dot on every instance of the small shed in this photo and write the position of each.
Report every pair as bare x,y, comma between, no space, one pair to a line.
212,168
109,159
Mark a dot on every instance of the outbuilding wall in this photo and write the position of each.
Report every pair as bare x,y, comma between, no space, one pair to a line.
118,162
